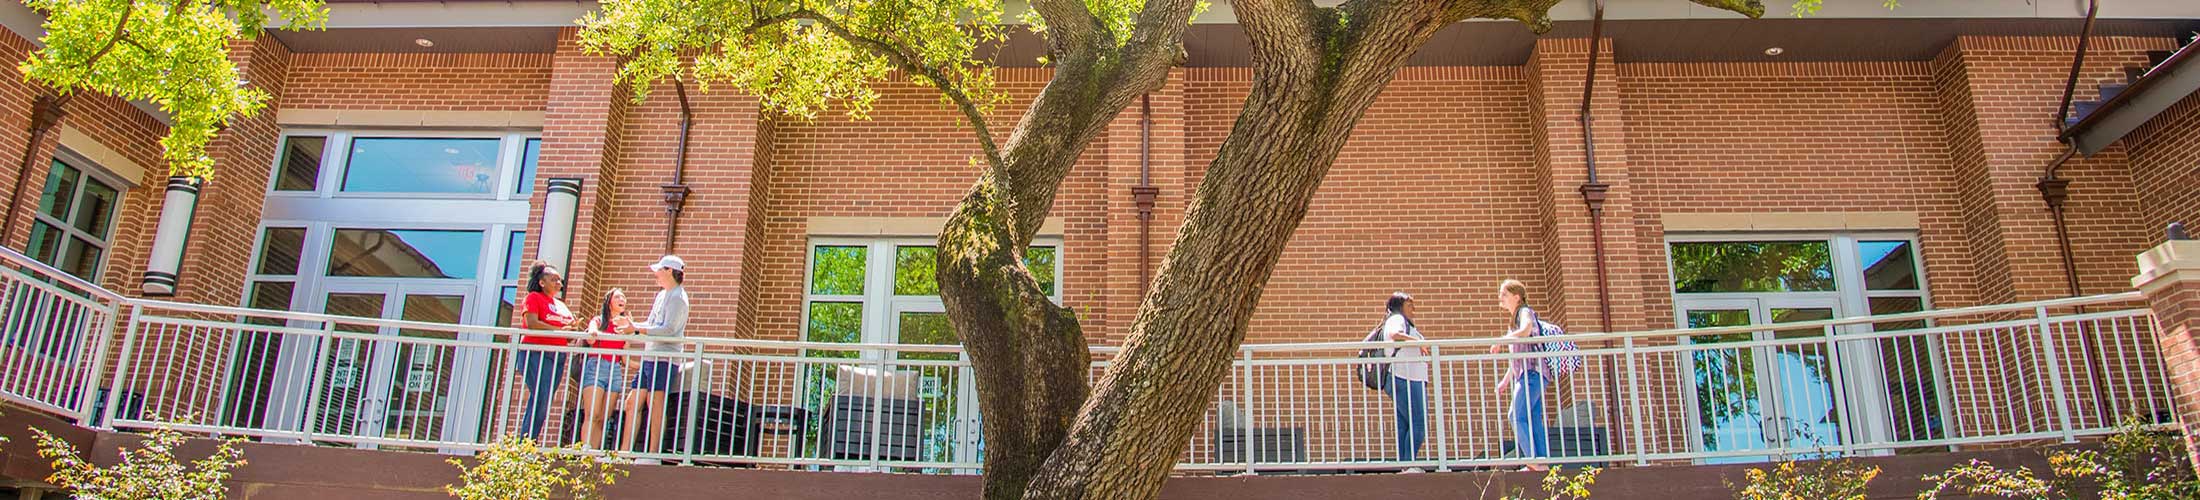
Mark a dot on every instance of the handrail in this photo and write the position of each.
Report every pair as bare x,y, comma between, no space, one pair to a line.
514,333
13,257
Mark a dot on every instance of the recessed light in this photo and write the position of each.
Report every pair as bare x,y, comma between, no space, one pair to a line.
423,42
1774,51
450,151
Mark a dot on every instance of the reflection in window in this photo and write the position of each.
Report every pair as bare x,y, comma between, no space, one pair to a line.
512,262
507,302
1040,260
1888,265
76,211
837,270
405,253
301,163
528,156
1752,266
280,249
915,271
270,295
926,328
407,165
60,190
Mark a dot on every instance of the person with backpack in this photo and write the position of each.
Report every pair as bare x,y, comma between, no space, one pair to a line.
1408,384
1527,377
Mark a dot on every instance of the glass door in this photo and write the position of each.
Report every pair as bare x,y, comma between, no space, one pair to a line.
1762,397
385,387
946,395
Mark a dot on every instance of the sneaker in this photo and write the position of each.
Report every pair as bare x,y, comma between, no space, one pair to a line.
648,461
1415,470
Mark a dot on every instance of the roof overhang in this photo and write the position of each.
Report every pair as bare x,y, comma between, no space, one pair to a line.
2153,93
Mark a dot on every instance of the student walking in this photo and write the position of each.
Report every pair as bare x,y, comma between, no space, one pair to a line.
667,323
1527,377
541,371
603,375
1409,380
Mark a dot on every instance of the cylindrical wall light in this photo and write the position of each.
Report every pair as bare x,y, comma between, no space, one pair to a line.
176,212
560,210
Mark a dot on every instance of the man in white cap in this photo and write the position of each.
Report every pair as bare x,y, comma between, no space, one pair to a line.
667,322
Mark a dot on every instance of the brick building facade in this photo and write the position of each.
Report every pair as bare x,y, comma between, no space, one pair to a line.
1458,177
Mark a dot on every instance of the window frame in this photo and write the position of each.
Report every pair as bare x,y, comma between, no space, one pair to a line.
336,162
878,283
86,170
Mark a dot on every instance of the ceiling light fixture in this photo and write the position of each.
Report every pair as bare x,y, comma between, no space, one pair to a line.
423,42
1774,51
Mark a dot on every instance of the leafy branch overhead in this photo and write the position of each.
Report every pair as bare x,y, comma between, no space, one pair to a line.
174,54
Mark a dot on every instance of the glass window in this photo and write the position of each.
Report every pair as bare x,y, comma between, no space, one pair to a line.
506,304
76,211
1888,265
527,159
274,295
836,322
1752,266
837,270
1040,260
60,190
410,165
301,163
405,253
512,261
915,270
280,249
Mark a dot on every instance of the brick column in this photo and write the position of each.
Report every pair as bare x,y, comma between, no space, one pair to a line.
580,140
2169,276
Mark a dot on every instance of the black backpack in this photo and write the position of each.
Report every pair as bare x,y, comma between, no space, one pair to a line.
1375,373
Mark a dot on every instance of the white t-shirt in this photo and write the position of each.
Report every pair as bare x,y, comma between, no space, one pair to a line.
1411,370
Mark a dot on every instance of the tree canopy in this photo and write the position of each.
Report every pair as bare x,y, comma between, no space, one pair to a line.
174,54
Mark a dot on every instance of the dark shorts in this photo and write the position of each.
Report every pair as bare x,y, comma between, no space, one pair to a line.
656,376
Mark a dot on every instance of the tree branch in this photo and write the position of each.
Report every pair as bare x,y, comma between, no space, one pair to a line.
120,25
1071,26
905,59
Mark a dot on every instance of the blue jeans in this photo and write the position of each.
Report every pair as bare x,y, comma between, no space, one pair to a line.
1410,399
541,372
1529,434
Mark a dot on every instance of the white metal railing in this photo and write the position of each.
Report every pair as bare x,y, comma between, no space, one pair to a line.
2043,371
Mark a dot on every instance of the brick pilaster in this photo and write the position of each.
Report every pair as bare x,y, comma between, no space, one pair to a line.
2169,276
580,139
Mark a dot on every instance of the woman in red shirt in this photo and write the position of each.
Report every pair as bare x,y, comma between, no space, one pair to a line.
603,373
541,371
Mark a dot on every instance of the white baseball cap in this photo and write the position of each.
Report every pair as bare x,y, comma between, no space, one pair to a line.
672,262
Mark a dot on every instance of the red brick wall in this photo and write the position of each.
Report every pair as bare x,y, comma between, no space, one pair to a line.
2165,166
419,82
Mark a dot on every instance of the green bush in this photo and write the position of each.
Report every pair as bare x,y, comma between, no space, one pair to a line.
516,469
150,472
1811,480
1560,486
2137,463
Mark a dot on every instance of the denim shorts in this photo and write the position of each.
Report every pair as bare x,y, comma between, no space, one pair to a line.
603,374
656,376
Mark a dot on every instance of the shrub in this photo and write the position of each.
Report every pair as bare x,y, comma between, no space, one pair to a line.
1812,480
2137,463
1559,486
150,472
516,469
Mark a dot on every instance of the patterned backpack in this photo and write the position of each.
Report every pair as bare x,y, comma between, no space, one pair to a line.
1562,365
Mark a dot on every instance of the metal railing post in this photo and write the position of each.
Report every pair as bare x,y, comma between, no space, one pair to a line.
1840,393
317,383
122,367
878,411
1435,375
687,441
92,371
1634,402
1245,443
2054,378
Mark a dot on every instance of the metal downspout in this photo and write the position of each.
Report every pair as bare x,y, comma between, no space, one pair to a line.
45,112
1593,193
1144,193
2055,190
676,192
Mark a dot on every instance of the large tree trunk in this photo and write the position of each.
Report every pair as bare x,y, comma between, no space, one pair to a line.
1316,71
1028,353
